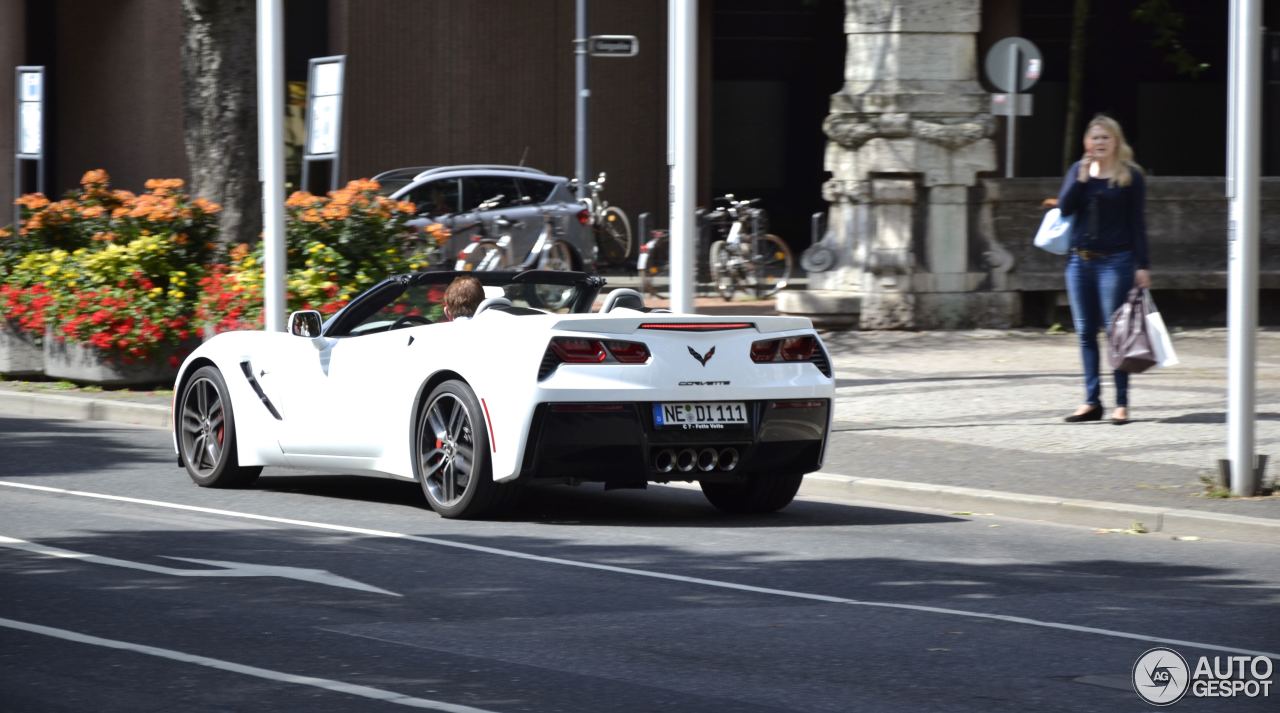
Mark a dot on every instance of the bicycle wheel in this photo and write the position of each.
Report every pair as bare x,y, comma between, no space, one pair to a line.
480,256
557,257
770,267
613,236
653,269
721,271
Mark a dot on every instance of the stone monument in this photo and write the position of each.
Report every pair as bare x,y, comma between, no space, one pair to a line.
907,135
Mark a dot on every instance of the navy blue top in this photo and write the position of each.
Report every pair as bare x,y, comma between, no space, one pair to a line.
1107,218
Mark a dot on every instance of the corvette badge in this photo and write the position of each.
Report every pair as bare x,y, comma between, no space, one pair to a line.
702,358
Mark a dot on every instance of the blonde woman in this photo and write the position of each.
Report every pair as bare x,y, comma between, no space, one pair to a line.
1106,192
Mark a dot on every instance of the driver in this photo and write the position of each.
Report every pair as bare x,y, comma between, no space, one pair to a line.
462,297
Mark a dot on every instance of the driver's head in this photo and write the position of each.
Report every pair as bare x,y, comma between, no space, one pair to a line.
462,297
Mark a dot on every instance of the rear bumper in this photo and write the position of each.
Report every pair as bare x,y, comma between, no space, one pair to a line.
619,443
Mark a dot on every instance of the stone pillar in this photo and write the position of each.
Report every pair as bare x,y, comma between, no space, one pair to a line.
907,135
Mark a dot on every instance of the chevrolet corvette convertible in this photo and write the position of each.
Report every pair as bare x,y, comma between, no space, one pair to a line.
536,386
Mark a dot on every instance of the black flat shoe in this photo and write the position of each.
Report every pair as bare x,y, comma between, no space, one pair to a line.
1093,414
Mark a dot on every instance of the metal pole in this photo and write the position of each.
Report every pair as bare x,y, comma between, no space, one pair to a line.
682,18
1242,244
581,94
271,158
1010,127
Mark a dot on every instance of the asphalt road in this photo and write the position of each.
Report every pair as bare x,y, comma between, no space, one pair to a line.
342,593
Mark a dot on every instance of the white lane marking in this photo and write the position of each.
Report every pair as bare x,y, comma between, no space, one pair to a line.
352,689
657,575
230,569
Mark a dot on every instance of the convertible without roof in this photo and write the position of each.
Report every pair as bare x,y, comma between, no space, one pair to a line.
534,386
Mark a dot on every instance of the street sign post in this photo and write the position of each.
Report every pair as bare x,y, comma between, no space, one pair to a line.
29,141
1013,65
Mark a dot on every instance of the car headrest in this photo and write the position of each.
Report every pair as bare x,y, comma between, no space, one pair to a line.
623,297
499,302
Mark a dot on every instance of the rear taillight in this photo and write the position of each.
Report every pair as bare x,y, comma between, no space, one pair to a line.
575,350
765,351
797,348
584,217
578,351
628,352
768,351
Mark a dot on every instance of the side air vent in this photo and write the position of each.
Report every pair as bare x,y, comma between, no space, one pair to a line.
247,368
822,361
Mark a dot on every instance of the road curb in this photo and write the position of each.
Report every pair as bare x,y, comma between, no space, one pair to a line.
85,409
1065,511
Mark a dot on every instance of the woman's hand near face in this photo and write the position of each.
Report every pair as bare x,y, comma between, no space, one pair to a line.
1086,162
1142,278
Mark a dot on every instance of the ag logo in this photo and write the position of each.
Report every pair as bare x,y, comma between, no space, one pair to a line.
1161,676
702,358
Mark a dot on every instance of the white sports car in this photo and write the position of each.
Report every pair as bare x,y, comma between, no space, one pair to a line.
535,386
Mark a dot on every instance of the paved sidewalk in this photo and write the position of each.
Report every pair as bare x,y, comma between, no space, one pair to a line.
971,421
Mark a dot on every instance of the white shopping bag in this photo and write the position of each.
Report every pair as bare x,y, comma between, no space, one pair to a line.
1158,334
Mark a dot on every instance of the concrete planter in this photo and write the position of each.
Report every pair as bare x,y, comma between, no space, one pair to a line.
83,363
20,352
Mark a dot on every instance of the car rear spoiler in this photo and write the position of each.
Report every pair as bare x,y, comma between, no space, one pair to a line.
680,323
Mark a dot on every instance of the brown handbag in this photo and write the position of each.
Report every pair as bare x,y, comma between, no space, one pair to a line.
1129,345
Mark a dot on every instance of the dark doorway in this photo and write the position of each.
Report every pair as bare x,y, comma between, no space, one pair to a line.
775,65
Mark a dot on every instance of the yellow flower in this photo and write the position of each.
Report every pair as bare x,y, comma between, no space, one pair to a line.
156,291
177,294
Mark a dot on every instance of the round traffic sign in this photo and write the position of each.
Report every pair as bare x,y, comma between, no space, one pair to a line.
1013,61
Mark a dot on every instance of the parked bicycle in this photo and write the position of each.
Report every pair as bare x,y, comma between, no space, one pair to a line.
610,227
489,248
653,265
748,259
549,252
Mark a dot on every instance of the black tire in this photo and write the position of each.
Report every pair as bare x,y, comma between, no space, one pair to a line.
721,273
206,433
452,456
772,267
759,494
613,236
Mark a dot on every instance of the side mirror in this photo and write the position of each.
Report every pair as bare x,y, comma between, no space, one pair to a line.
305,323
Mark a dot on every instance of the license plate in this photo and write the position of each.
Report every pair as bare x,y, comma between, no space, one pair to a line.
700,415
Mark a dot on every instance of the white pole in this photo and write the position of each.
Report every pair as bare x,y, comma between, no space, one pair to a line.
682,110
1242,243
271,158
581,94
1011,125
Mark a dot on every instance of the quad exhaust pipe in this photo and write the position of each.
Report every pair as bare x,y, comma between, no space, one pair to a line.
686,460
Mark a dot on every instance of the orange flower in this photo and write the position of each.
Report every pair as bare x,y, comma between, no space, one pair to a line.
96,177
33,201
301,199
238,252
406,207
206,206
93,211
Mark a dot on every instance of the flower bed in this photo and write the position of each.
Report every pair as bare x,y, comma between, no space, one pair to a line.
110,271
336,246
136,279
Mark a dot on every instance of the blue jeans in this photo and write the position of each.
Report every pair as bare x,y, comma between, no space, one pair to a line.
1097,287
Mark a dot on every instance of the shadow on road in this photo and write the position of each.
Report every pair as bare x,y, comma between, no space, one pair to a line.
556,505
50,446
